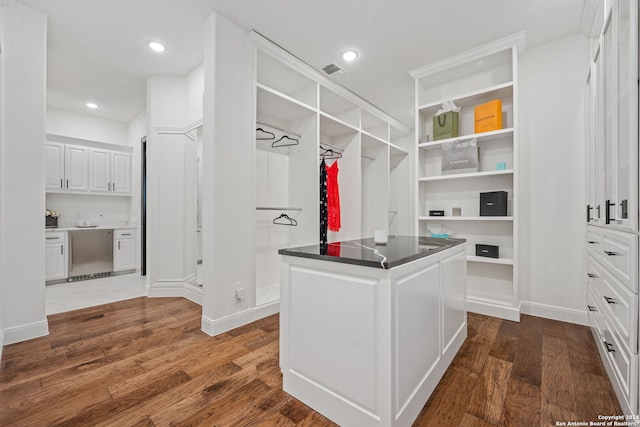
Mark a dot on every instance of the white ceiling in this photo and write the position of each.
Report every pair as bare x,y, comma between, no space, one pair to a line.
97,48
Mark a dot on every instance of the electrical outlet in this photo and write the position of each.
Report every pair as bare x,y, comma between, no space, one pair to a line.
239,291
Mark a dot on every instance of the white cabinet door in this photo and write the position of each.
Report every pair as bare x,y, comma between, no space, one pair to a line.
56,256
76,170
54,166
120,172
100,170
124,250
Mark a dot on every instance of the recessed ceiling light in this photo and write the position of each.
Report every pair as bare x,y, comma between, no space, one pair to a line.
91,105
158,47
349,55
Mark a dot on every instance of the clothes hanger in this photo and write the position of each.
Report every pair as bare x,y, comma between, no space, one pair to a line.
282,142
330,154
290,221
273,135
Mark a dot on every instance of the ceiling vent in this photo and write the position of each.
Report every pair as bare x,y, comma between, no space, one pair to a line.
332,69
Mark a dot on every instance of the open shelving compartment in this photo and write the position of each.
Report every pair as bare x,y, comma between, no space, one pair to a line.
470,79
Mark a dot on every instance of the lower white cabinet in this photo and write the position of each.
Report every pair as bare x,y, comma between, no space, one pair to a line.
56,256
613,311
124,250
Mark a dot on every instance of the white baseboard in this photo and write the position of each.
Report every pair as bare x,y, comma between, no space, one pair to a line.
217,326
487,308
166,288
562,314
25,332
192,293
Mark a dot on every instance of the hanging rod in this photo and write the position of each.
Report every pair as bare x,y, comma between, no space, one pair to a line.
266,208
278,128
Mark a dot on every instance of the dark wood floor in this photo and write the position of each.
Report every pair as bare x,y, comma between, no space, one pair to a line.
145,362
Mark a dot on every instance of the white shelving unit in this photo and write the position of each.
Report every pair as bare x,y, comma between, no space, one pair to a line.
470,79
374,169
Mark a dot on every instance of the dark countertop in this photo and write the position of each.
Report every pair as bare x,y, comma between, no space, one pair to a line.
397,251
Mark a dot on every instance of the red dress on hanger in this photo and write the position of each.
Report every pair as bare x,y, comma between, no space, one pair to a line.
333,197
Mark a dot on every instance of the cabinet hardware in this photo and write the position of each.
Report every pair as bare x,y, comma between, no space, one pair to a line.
592,242
592,308
607,212
126,234
589,209
611,253
624,214
67,183
609,347
108,186
592,276
610,300
61,250
52,238
598,209
118,244
61,183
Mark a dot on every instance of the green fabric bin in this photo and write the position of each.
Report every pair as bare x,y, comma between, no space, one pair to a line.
445,125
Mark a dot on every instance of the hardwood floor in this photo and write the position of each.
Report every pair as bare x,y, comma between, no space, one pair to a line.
145,362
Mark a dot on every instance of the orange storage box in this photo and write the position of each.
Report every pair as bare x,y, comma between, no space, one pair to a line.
488,116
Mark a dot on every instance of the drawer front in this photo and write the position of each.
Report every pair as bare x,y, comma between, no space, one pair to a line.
619,252
124,234
624,364
55,237
594,242
594,312
619,306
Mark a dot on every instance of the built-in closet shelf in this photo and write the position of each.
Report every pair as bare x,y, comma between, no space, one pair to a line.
281,106
466,175
500,261
485,136
384,141
471,99
332,126
465,218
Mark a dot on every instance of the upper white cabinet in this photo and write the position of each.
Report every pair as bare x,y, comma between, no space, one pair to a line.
86,169
67,167
110,171
612,126
451,201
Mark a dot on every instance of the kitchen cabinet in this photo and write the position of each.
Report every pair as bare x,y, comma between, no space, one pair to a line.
67,167
56,256
470,79
124,250
110,171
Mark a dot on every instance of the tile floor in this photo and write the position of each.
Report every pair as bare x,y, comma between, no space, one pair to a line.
61,297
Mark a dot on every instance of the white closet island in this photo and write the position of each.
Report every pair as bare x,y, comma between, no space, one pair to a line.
366,330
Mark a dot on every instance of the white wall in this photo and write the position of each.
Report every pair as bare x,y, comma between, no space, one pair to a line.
228,193
85,126
195,92
552,179
22,257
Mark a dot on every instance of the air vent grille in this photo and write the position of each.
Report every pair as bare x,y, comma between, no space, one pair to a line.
332,69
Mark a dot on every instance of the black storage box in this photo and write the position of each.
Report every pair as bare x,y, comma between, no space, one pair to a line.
436,213
489,251
493,203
